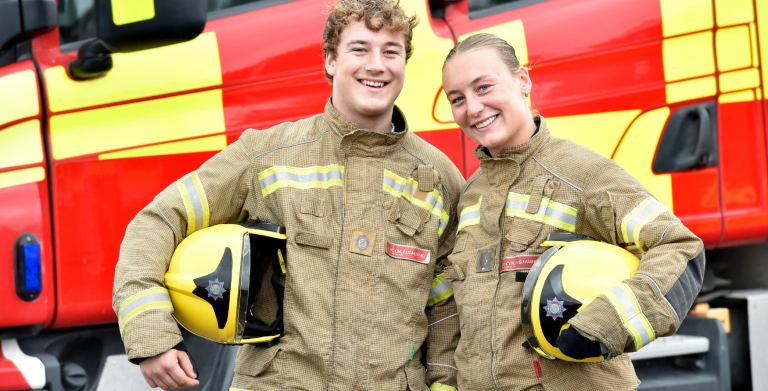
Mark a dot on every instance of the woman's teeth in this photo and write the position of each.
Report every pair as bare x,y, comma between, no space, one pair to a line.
485,123
373,83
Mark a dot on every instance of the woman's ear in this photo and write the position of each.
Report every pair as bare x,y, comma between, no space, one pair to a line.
525,80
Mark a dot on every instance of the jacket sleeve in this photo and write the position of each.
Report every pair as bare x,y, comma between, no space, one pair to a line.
213,194
655,300
442,314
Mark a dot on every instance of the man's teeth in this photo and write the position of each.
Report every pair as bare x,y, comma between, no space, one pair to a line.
373,83
485,123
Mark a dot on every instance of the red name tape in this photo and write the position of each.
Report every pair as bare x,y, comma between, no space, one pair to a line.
518,262
408,253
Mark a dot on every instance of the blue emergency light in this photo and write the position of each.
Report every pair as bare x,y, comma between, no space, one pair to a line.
28,267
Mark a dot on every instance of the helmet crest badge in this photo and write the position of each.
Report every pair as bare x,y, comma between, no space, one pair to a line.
555,308
215,289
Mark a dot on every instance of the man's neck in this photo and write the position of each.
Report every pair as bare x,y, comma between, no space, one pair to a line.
379,124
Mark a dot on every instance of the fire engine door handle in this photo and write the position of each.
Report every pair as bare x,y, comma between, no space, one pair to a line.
689,139
700,156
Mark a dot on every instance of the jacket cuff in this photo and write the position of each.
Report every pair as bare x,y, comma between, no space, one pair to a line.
150,334
599,322
179,346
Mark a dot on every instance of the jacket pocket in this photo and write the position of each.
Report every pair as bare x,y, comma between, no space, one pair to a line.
253,360
522,232
314,240
407,217
415,376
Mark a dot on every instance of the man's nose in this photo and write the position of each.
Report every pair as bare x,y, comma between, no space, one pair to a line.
375,63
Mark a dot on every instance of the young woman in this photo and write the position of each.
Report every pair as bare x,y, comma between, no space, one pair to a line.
530,185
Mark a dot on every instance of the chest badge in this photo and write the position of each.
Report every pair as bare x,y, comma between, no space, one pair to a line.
485,260
555,308
215,289
362,242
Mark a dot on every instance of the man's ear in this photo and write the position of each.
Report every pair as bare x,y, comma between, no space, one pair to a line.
330,64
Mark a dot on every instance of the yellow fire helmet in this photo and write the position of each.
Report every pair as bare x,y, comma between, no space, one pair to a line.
564,280
215,274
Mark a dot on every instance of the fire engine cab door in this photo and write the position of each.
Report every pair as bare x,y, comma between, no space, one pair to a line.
28,295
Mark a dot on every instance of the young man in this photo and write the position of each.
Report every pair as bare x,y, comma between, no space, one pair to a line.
369,209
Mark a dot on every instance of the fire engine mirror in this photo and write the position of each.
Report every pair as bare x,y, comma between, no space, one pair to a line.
133,25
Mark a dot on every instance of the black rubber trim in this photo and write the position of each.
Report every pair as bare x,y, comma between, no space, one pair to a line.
223,274
687,286
568,237
497,9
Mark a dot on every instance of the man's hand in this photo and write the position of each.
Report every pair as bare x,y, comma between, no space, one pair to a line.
171,369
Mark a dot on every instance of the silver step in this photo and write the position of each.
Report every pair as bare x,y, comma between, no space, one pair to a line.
676,345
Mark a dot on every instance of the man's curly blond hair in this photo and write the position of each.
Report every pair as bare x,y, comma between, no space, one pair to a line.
377,14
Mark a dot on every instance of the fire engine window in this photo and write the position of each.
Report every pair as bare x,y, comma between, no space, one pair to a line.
77,20
481,8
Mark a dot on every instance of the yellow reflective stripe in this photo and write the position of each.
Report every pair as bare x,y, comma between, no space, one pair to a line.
21,144
132,11
21,177
318,177
550,212
150,299
470,215
398,186
282,261
181,67
136,124
441,290
19,97
633,222
441,387
195,202
631,315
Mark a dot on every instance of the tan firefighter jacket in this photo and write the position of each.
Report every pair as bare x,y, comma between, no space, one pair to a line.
367,215
508,208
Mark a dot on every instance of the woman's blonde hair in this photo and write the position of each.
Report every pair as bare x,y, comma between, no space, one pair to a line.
487,41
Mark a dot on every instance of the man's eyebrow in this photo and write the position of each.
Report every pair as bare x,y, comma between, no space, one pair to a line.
394,44
357,42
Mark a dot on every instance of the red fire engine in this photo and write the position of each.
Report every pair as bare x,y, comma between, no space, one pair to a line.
89,134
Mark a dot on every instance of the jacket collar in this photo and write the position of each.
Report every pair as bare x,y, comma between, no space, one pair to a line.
363,142
519,153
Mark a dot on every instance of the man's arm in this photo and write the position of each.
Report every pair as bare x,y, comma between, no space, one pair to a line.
213,194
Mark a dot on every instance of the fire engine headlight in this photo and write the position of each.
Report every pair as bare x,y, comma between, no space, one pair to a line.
28,267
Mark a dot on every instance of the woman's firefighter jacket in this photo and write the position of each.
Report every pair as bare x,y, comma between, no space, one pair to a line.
367,216
507,209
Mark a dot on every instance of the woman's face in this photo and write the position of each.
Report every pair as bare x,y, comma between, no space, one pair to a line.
487,100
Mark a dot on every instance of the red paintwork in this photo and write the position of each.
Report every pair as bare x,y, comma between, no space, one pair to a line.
586,56
743,173
11,378
25,208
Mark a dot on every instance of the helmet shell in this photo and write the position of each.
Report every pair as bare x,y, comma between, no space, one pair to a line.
564,280
208,281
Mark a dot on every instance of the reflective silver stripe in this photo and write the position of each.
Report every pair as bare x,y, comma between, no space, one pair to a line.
152,297
397,187
641,330
469,216
625,301
543,210
301,178
640,217
194,199
439,289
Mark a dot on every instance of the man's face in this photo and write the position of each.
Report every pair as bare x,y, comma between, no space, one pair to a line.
368,72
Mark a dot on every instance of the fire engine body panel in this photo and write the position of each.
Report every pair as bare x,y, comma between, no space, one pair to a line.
79,158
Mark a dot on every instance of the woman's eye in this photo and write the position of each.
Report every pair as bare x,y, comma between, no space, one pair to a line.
483,88
456,101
